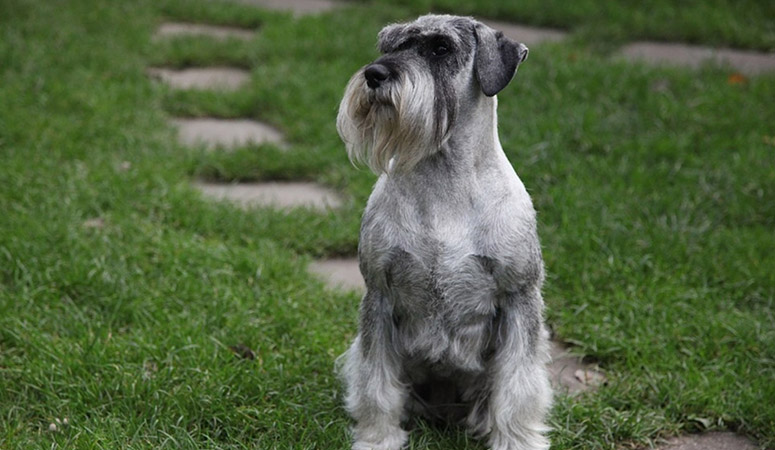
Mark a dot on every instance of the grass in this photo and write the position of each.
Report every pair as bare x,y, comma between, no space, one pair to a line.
744,24
653,187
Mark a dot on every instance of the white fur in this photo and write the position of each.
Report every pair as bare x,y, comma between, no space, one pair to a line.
375,400
392,123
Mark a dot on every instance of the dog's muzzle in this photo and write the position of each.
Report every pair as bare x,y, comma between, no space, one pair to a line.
376,74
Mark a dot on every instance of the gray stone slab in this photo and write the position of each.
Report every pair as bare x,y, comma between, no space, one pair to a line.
94,222
747,62
569,374
216,78
709,441
174,29
526,35
297,7
225,133
339,273
270,194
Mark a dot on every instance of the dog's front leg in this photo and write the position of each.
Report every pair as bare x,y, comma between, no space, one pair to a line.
376,394
521,394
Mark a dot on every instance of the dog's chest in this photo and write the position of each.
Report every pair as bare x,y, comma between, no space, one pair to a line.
443,259
444,301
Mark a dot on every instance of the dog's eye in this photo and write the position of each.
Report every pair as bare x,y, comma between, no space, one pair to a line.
440,49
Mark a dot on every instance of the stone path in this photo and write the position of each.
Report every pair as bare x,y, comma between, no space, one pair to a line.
225,133
286,195
693,56
340,273
526,34
297,7
211,78
747,62
709,441
175,29
568,372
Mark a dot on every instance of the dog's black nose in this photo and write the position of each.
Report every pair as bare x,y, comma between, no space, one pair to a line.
376,74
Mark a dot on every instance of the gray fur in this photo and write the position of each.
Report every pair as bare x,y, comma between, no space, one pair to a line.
451,325
497,58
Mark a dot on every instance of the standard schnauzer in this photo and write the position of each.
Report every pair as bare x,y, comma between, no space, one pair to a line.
451,326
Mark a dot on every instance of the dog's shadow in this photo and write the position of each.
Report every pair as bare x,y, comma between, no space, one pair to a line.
425,433
436,418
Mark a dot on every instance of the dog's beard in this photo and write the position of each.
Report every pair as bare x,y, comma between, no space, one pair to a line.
393,127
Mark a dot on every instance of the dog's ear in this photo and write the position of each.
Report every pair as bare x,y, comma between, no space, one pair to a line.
496,60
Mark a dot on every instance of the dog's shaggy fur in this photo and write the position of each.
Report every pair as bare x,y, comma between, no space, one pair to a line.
451,324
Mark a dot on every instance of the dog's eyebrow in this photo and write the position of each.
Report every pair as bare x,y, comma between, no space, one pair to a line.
405,43
438,37
410,41
411,35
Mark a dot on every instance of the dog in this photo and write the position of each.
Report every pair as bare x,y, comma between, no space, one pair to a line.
451,325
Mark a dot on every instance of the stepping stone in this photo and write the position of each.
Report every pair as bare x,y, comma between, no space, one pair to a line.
709,441
339,274
569,374
524,34
225,133
95,222
173,29
279,195
219,78
298,7
747,62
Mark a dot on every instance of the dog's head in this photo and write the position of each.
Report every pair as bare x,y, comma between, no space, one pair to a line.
400,108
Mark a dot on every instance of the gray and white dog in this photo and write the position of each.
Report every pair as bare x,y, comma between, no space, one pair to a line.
451,325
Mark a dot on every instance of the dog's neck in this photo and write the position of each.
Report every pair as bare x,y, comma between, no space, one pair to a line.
474,140
472,146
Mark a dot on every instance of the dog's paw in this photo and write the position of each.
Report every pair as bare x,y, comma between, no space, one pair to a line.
393,441
527,441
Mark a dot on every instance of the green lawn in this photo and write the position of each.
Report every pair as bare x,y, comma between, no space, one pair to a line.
735,23
654,189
